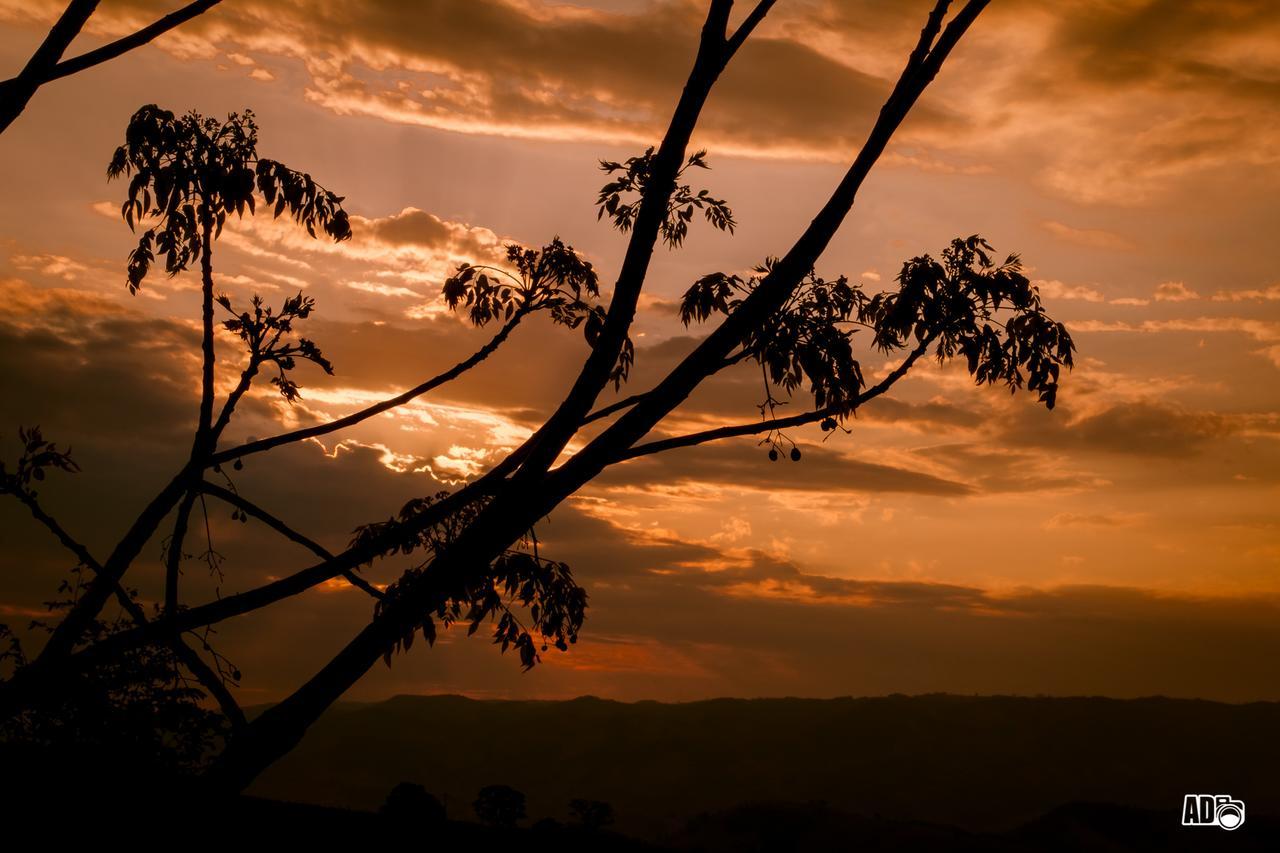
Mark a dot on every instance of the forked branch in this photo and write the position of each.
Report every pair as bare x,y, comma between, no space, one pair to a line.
189,657
364,414
251,509
775,424
47,64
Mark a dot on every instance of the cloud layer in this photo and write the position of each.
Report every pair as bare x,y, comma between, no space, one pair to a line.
1118,99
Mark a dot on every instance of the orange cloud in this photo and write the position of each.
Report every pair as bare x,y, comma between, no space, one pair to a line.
1093,238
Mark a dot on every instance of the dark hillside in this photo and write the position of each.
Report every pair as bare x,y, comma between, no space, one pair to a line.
984,764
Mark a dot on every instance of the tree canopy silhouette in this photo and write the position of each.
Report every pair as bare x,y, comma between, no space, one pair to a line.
592,814
499,806
410,806
472,555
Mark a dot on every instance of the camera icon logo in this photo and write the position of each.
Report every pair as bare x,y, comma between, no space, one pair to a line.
1220,810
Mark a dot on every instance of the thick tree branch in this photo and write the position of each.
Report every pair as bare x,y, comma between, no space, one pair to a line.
70,629
612,408
16,93
747,26
628,402
173,556
47,65
929,34
255,599
712,57
204,431
331,567
223,608
123,45
780,283
204,439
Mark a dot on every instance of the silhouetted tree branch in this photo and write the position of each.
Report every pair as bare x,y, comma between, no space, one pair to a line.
776,424
201,171
228,607
136,39
476,549
249,508
612,408
788,272
173,554
47,65
714,53
240,451
241,388
747,27
191,659
17,92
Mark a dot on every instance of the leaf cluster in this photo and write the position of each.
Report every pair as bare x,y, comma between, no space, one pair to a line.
809,338
517,578
556,605
38,455
309,204
188,173
971,306
965,304
499,806
267,334
592,814
555,279
621,198
401,535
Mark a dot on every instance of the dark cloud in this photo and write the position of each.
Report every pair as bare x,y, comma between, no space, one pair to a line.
670,617
120,389
103,375
1136,428
1167,88
414,228
677,619
894,411
1000,466
553,71
1119,99
607,74
1159,44
742,463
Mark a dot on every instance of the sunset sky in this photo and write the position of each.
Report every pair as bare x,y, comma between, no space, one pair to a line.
959,539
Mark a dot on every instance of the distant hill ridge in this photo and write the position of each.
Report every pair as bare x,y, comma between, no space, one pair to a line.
984,763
